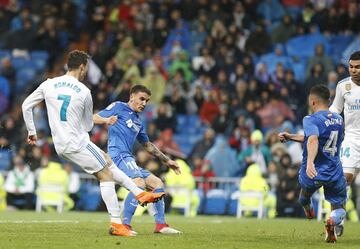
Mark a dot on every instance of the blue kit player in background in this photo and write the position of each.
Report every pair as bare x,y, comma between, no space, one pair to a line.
321,166
126,127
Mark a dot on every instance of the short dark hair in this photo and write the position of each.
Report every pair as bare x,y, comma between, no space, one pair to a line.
355,56
140,88
322,92
76,58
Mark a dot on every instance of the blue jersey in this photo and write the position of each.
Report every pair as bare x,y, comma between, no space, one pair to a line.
329,128
125,131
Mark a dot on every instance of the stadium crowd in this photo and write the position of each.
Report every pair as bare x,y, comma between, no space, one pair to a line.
226,76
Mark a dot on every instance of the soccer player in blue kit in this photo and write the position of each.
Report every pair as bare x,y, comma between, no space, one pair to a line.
125,128
321,166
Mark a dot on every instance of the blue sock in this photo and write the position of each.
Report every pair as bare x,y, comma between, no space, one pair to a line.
304,201
338,215
130,206
159,208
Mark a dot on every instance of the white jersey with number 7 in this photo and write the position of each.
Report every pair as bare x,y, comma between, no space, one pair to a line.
69,108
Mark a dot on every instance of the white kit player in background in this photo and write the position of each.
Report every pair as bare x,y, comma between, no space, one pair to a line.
347,99
70,110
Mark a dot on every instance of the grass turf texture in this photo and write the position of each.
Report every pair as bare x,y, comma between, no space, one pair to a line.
89,230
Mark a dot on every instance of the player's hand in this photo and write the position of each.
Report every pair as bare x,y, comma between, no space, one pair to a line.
283,137
32,139
174,166
310,170
111,120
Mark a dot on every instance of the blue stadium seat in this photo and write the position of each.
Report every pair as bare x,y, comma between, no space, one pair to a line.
233,203
186,148
23,77
216,202
201,195
39,64
5,159
299,69
4,53
304,46
39,54
90,197
338,43
194,120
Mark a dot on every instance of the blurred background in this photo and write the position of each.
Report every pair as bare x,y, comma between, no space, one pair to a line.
226,77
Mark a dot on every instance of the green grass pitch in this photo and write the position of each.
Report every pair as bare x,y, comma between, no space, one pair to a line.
89,230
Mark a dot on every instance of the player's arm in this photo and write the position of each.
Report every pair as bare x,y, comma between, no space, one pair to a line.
106,116
88,112
338,103
285,136
27,109
311,130
312,150
102,120
152,149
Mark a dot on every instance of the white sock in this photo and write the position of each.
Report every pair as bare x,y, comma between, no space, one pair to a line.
108,195
151,209
122,179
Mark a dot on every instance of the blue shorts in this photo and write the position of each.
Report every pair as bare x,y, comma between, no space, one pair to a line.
334,191
130,168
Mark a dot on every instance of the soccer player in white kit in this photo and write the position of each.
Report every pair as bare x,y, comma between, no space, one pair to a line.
347,99
70,110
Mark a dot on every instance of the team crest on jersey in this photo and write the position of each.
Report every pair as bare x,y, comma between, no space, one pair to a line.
131,124
348,87
330,114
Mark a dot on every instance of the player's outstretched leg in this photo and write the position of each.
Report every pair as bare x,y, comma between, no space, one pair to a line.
335,219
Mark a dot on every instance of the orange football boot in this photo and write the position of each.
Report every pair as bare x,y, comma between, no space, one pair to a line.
120,230
147,197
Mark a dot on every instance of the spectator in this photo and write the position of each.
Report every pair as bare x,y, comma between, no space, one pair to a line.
166,144
216,154
220,123
165,118
54,174
204,171
255,182
319,58
256,153
187,181
202,146
19,185
258,42
288,194
283,31
156,83
210,108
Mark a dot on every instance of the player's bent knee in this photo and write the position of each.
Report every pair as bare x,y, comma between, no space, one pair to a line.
104,175
139,182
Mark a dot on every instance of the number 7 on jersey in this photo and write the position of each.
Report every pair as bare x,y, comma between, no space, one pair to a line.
64,106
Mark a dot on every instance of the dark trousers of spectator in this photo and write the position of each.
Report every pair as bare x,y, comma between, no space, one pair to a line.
75,198
289,209
21,201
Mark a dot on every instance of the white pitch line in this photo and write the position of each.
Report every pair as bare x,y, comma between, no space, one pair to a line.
37,221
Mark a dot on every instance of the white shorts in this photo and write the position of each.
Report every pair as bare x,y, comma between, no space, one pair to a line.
91,159
350,155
